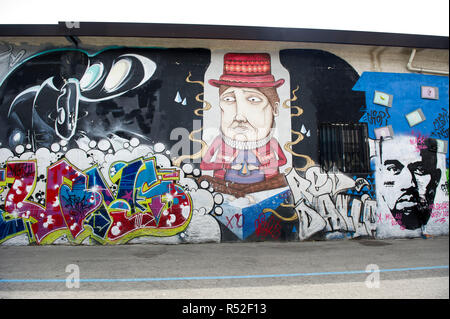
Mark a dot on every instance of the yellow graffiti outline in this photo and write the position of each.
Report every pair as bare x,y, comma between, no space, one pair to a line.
101,177
115,178
161,176
156,232
134,233
88,231
51,237
10,180
11,217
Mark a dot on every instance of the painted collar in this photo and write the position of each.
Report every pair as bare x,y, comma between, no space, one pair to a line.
247,145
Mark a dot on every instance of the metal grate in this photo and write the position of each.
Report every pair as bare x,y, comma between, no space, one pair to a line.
344,147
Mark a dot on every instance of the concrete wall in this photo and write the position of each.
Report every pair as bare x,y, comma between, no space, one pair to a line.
127,140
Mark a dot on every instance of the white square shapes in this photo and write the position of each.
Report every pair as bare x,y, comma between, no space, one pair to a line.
382,98
429,92
415,117
385,132
442,146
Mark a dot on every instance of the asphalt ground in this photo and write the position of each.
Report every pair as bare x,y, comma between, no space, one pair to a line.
364,268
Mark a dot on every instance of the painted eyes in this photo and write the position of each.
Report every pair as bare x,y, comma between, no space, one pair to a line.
251,99
414,169
419,170
92,76
117,74
394,169
229,99
254,99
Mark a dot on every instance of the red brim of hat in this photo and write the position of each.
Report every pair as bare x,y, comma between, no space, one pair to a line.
246,83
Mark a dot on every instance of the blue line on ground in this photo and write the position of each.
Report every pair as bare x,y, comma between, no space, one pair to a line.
110,280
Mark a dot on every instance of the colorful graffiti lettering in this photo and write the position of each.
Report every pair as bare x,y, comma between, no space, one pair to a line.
90,150
80,204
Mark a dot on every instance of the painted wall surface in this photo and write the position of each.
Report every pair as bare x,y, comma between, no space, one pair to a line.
130,145
411,176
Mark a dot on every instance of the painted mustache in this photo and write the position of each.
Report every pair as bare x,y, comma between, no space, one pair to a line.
242,126
408,199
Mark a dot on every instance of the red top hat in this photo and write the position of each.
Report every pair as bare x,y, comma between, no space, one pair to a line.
247,70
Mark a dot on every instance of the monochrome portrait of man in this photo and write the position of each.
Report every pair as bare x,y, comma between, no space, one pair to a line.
408,177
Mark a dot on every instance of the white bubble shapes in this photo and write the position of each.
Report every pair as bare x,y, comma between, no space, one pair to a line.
103,144
159,147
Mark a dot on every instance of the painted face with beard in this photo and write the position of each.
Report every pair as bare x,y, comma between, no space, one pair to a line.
247,114
409,178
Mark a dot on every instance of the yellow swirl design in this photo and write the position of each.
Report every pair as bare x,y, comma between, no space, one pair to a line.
288,145
188,80
299,109
286,219
197,97
199,154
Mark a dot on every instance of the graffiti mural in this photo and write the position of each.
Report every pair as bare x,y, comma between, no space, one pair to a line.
407,177
250,141
410,171
114,93
147,145
78,163
247,156
145,200
333,203
51,110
